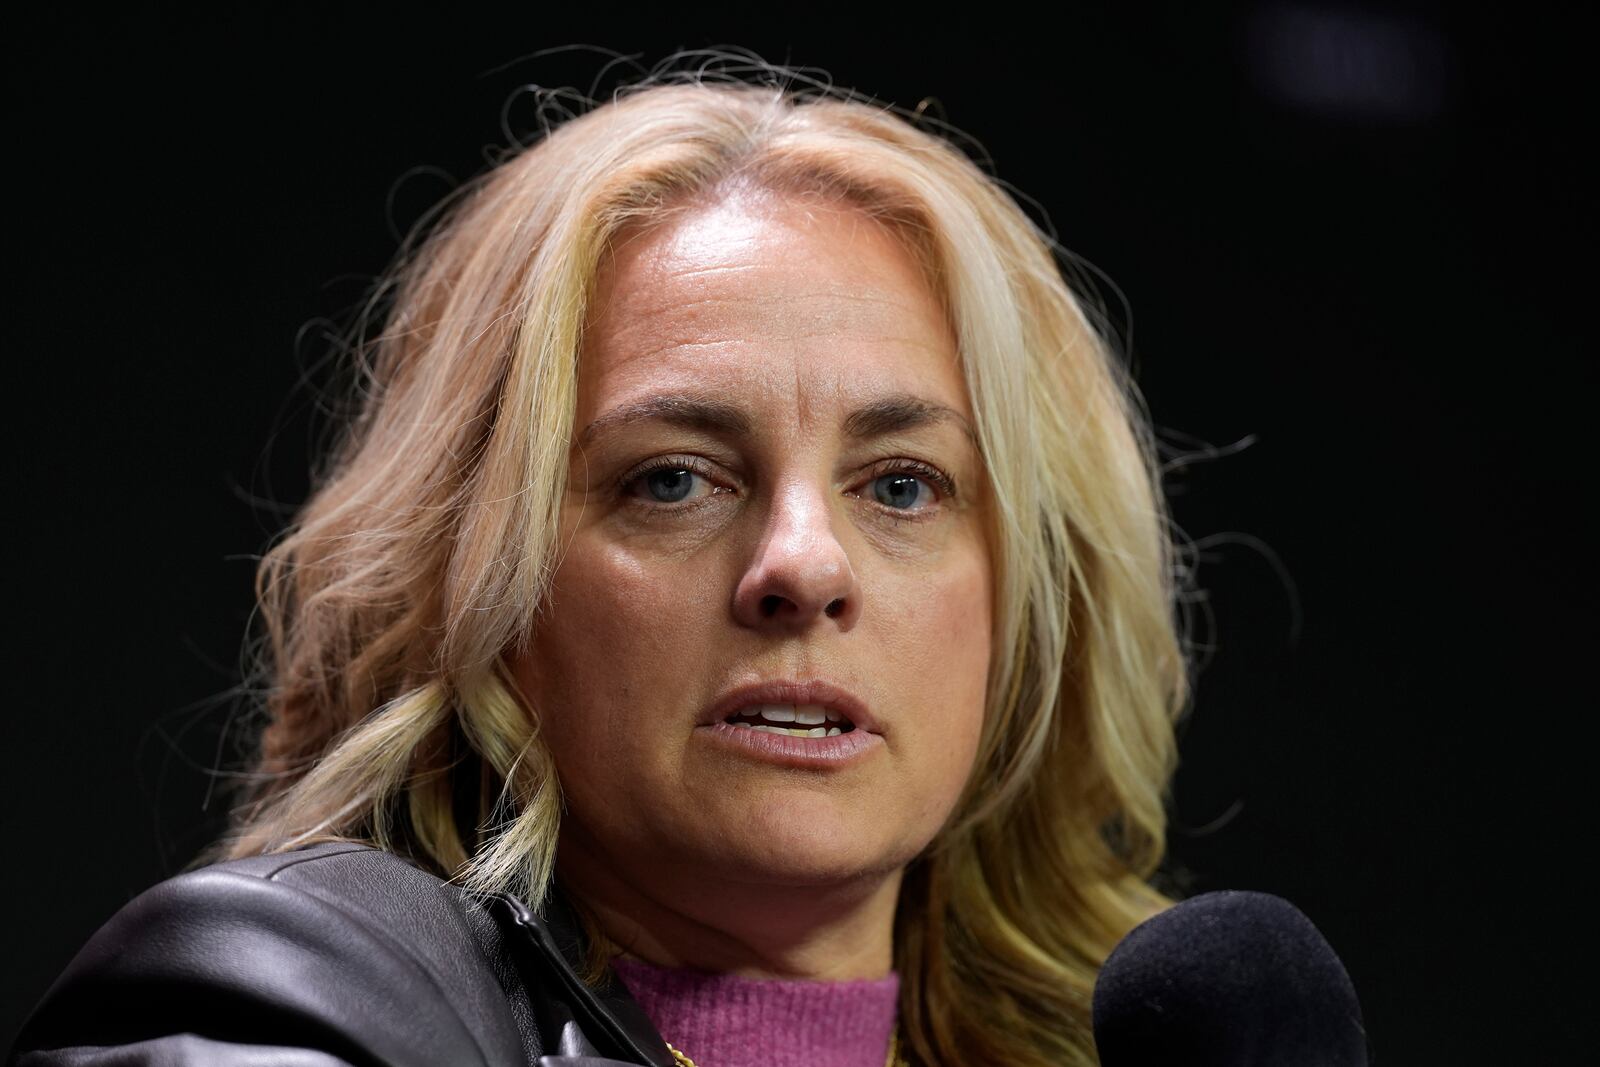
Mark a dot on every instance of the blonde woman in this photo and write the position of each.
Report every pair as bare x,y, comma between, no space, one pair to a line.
737,628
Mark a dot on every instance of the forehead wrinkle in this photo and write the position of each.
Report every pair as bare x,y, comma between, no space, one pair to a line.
799,289
667,346
857,318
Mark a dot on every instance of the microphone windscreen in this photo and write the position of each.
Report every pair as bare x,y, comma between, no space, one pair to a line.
1227,979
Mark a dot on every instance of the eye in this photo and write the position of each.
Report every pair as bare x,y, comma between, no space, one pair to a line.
899,490
910,487
667,485
665,481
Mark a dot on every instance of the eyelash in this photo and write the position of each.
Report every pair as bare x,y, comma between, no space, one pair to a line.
940,481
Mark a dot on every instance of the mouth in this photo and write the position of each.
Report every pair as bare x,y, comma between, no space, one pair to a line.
793,720
792,708
800,726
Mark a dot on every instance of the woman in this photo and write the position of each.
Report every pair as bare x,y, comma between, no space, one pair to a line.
737,627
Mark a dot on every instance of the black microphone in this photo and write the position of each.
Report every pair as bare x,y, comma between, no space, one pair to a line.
1228,979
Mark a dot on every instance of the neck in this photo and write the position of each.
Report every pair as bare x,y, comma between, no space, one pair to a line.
710,921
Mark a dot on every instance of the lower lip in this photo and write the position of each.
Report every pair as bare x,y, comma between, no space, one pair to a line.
786,750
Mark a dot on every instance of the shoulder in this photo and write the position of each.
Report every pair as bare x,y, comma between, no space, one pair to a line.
378,891
339,948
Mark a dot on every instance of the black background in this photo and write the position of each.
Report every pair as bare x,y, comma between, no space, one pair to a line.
1350,240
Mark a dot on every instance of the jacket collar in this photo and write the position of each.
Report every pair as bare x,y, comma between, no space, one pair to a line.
609,1010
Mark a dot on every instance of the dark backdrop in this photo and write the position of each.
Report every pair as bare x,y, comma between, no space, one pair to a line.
1344,235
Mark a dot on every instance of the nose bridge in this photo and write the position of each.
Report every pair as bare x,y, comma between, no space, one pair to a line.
799,569
798,513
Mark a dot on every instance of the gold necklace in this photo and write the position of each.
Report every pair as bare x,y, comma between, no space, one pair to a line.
893,1060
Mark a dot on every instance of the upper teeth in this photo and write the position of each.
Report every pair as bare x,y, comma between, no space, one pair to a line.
805,714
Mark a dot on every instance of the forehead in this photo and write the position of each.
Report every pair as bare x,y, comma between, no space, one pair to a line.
759,295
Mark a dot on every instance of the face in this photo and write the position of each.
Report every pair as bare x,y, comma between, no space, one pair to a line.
808,505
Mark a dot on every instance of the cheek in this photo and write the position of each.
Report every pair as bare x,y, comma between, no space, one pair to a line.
614,645
607,600
939,643
967,633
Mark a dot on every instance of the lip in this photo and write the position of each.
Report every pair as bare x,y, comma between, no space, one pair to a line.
792,692
817,754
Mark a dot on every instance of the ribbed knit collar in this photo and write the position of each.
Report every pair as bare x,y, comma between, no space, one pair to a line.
720,1020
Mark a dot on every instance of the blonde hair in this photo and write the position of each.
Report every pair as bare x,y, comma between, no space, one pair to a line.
428,545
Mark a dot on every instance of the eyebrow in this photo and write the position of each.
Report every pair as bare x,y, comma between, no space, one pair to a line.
894,413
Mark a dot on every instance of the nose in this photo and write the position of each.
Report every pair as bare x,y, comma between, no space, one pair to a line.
800,571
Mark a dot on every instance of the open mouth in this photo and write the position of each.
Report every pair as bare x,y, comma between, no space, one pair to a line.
795,720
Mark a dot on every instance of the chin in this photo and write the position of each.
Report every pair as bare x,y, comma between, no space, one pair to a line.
810,855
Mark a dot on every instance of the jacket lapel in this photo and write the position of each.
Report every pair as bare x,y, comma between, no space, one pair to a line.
607,1019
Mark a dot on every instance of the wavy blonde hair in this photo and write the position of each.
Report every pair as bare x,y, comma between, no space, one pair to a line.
428,546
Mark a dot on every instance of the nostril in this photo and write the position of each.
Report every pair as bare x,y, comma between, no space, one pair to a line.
773,604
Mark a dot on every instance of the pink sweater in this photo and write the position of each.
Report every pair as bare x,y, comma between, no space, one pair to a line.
718,1020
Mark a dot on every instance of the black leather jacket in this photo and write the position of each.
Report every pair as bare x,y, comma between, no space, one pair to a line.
335,954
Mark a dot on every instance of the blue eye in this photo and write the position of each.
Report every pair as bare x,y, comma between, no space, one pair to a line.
669,485
908,490
667,481
897,490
